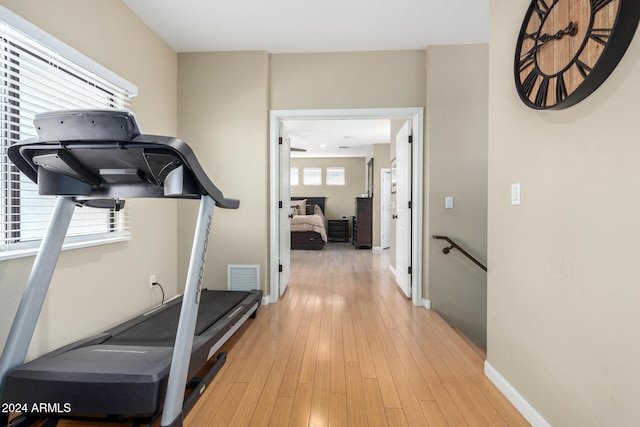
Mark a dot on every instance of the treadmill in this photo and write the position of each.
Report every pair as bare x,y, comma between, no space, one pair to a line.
145,367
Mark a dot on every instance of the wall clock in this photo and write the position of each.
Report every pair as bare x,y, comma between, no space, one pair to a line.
567,48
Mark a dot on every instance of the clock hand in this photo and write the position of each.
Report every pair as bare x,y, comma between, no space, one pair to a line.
571,30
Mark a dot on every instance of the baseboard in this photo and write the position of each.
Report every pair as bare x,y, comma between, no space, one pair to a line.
524,407
266,300
377,249
393,270
426,303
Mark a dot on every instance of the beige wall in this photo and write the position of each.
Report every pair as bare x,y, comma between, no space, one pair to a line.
340,199
107,284
456,126
222,105
563,266
348,80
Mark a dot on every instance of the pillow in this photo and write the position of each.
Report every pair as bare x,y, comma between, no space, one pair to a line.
294,210
301,205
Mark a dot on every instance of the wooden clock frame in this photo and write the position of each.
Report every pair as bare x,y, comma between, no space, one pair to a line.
558,65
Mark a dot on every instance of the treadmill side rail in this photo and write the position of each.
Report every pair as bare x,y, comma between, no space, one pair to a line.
172,413
24,323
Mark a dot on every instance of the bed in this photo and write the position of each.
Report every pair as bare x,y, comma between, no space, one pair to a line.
309,230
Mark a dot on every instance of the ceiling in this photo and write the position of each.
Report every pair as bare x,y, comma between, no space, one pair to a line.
336,138
302,26
295,26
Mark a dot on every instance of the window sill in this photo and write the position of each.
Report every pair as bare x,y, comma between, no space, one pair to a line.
27,249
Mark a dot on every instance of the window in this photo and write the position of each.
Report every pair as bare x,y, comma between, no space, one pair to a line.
335,176
33,79
312,176
294,179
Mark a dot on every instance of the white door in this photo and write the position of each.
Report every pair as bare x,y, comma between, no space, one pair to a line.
403,213
385,206
285,210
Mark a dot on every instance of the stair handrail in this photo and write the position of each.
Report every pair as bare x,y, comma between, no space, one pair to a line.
454,245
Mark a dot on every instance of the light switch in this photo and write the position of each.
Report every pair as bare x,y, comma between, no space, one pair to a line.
448,202
515,194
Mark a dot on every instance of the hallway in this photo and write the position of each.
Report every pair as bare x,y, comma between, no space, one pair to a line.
345,347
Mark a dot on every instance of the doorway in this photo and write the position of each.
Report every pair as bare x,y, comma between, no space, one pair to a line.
416,116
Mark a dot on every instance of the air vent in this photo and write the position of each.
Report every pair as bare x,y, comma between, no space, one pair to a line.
343,147
243,277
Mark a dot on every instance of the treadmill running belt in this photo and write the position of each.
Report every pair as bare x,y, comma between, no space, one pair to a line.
160,329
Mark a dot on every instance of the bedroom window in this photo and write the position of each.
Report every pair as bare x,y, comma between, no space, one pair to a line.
37,74
335,176
312,176
294,178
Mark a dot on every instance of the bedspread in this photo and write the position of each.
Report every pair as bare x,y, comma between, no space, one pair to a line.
309,223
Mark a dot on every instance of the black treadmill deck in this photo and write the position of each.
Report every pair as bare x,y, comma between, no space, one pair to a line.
124,371
162,331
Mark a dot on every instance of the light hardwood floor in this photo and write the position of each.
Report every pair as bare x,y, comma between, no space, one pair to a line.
344,347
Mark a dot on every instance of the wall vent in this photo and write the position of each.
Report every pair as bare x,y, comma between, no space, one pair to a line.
243,277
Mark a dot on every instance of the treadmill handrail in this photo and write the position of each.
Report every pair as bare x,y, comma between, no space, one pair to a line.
77,158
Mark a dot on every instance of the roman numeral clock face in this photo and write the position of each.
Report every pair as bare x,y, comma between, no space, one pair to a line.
567,48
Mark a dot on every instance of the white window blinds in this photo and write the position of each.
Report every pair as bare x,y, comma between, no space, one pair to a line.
312,176
335,176
33,79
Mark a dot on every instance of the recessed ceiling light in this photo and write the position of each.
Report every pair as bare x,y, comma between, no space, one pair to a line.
323,145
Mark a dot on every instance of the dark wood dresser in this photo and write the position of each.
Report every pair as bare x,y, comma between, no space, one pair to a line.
363,223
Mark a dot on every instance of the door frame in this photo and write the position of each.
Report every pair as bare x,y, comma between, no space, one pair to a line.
416,115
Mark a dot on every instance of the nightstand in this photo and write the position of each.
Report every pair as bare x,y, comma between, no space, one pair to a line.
338,230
